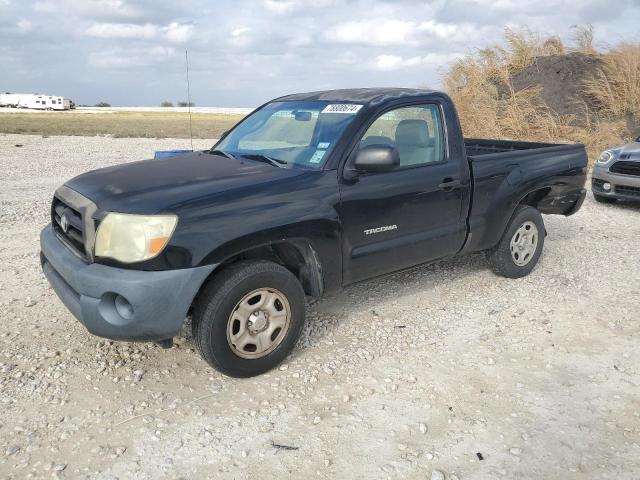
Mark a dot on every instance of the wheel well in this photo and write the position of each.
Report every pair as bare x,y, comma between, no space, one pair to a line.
298,257
534,198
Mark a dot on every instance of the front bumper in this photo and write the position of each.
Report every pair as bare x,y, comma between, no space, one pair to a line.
622,186
156,303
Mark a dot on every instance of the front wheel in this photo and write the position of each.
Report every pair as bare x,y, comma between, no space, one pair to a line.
520,248
248,318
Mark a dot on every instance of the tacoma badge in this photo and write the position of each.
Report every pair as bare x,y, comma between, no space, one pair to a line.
386,228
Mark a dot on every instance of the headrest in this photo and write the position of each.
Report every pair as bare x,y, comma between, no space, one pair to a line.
412,132
376,140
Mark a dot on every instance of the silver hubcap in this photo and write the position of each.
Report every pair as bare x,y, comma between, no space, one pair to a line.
258,323
524,243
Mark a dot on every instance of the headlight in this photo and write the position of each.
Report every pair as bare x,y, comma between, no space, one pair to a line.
133,238
605,157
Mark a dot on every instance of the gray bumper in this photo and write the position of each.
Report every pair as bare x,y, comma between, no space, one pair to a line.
622,186
156,302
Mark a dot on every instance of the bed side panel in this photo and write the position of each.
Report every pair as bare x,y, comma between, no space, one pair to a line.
503,180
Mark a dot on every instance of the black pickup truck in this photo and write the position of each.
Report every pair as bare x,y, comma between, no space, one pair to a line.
309,193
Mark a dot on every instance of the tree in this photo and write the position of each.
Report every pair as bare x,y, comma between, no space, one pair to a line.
102,104
186,104
166,103
583,39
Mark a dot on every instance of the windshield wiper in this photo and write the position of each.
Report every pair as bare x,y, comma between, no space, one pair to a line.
220,152
276,162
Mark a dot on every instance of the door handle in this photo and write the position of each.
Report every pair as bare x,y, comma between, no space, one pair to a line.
449,184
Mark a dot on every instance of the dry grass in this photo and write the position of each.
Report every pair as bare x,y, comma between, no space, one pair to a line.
477,84
488,106
616,90
600,136
118,124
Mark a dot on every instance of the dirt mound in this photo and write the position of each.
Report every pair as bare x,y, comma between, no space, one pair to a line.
596,94
561,79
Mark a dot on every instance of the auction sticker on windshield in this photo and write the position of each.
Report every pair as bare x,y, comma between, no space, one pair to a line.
342,108
317,156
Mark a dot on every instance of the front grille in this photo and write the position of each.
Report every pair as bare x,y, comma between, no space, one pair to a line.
631,191
74,234
626,168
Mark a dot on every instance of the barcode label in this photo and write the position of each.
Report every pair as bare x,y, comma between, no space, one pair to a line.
342,108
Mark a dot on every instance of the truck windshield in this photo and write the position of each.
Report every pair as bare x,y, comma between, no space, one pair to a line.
291,133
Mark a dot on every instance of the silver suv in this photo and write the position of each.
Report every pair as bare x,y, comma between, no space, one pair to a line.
616,174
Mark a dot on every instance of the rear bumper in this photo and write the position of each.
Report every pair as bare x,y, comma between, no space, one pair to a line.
578,202
622,186
156,301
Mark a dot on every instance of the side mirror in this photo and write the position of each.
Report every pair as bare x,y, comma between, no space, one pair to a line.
377,158
638,139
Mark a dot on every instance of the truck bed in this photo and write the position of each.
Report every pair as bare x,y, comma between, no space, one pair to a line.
506,173
478,148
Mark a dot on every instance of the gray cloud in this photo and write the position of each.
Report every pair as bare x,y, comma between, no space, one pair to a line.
244,52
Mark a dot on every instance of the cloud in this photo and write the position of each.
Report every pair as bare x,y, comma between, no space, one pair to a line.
387,62
178,33
174,32
240,38
122,30
395,62
441,30
380,32
347,58
236,32
131,51
131,58
289,7
89,8
389,32
303,39
282,7
25,25
114,11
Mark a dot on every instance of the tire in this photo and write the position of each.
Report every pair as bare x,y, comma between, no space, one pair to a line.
603,199
221,325
519,262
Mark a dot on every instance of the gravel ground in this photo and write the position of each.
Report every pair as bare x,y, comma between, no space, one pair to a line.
442,372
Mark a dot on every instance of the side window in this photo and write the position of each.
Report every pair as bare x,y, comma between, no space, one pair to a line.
415,131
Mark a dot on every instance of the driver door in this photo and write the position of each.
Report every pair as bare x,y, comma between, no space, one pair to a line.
413,214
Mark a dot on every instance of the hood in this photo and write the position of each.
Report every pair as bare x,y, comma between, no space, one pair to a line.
630,151
153,186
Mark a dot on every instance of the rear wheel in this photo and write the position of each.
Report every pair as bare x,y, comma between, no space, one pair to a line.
603,199
248,318
521,245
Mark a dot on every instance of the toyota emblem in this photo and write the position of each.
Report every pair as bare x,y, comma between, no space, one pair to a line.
64,223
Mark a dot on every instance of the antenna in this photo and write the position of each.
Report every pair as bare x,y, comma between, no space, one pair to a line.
186,56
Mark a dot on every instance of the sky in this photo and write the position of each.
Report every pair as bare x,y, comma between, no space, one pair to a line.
243,53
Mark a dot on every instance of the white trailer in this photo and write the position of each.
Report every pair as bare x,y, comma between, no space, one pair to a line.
34,101
45,102
59,103
12,99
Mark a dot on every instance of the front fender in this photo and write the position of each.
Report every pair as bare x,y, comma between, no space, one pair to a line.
317,241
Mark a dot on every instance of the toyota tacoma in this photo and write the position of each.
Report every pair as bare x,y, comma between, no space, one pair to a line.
307,194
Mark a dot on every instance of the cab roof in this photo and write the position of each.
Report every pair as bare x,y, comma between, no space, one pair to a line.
371,96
